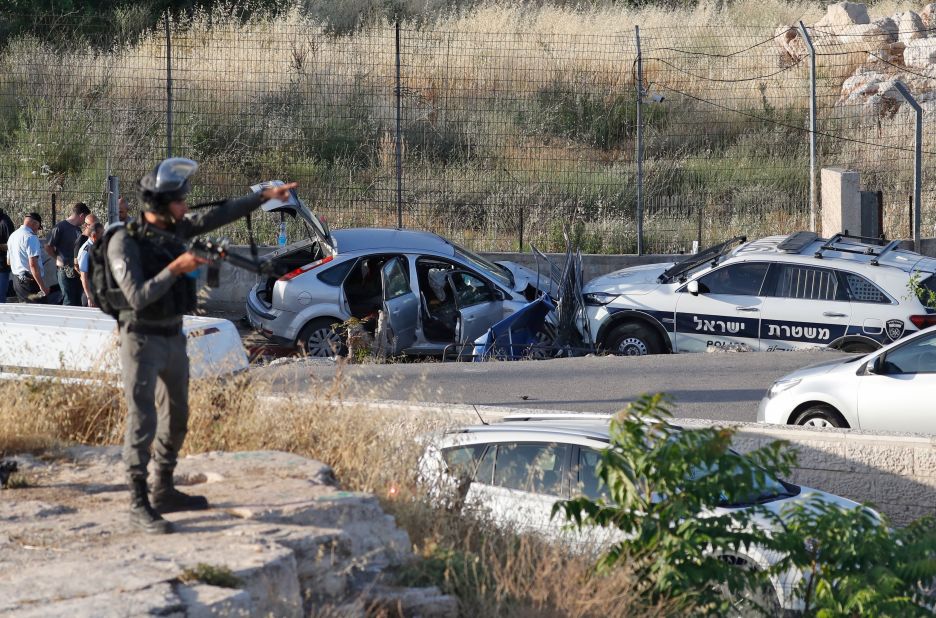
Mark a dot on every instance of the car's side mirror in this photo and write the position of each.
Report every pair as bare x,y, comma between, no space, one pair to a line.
693,287
875,366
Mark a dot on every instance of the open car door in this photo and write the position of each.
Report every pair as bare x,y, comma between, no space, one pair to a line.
400,306
479,305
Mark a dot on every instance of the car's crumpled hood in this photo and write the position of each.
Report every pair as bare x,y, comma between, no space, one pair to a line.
633,280
524,276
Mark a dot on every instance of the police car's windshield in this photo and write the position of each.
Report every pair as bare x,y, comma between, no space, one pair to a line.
702,258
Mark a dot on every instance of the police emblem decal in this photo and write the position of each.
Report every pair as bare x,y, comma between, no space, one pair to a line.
895,329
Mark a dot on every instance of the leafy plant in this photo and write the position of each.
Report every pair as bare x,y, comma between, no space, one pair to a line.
663,486
926,294
854,564
660,479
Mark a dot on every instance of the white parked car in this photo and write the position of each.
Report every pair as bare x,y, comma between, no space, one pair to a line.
520,467
774,294
81,343
887,390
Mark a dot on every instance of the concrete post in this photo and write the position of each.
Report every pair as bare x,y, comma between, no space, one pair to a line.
841,201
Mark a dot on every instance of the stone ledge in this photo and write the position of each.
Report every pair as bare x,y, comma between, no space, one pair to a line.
278,522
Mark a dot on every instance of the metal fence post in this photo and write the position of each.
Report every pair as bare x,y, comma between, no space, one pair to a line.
399,131
113,192
168,86
813,196
917,163
638,88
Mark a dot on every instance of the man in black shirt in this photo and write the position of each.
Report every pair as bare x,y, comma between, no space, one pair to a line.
6,228
61,246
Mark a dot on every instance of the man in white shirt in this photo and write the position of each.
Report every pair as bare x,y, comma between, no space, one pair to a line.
24,255
95,231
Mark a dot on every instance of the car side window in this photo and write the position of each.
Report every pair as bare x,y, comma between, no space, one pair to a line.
861,290
470,290
736,279
336,274
536,468
587,482
396,283
462,461
917,356
807,283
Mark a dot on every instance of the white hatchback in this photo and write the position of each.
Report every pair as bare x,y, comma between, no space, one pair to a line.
888,390
517,469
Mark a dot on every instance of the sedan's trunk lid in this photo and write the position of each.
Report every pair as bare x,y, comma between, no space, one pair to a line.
317,228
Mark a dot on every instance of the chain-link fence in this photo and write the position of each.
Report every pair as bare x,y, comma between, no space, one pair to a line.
497,137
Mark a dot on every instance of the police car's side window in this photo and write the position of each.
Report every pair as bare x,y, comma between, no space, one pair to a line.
807,283
737,279
863,291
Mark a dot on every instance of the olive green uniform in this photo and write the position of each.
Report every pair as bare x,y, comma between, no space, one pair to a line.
154,363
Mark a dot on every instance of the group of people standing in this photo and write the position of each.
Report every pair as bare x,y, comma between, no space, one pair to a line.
22,263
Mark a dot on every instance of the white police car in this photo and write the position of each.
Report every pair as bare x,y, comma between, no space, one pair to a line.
777,293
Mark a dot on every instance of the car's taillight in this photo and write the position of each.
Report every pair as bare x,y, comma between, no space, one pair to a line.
923,321
304,269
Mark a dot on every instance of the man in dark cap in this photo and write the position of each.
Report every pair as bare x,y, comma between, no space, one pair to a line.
154,272
24,255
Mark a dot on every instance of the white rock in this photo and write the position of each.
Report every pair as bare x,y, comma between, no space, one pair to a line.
843,14
928,15
871,35
910,27
920,53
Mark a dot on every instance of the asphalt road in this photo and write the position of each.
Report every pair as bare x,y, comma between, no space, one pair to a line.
724,386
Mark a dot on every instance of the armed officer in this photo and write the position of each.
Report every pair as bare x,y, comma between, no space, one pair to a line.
156,276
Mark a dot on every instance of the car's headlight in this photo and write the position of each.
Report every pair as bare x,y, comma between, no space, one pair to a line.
782,385
598,298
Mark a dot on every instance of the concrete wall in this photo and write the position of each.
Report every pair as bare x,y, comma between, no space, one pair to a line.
895,472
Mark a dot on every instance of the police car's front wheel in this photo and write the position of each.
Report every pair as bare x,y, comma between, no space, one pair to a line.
633,340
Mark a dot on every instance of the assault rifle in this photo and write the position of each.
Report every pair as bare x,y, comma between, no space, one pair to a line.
215,250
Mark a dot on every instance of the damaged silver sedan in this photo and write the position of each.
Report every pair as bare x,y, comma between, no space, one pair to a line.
427,295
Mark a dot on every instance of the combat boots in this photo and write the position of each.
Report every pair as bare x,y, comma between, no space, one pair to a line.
142,514
168,499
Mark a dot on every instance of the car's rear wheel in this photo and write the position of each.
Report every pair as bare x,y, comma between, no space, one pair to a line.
820,416
633,340
322,339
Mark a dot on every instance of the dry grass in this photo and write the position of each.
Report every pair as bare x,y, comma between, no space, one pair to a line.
493,572
290,98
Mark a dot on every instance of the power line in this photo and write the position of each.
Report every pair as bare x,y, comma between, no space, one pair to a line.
709,55
713,79
786,125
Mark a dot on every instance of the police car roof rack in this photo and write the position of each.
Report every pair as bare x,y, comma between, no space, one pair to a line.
794,243
866,245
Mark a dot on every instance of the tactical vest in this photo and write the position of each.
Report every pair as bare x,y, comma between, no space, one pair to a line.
156,254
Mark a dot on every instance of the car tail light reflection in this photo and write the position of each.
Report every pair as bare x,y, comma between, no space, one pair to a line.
304,269
923,321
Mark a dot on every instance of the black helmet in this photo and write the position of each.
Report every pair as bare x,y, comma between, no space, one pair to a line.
167,183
